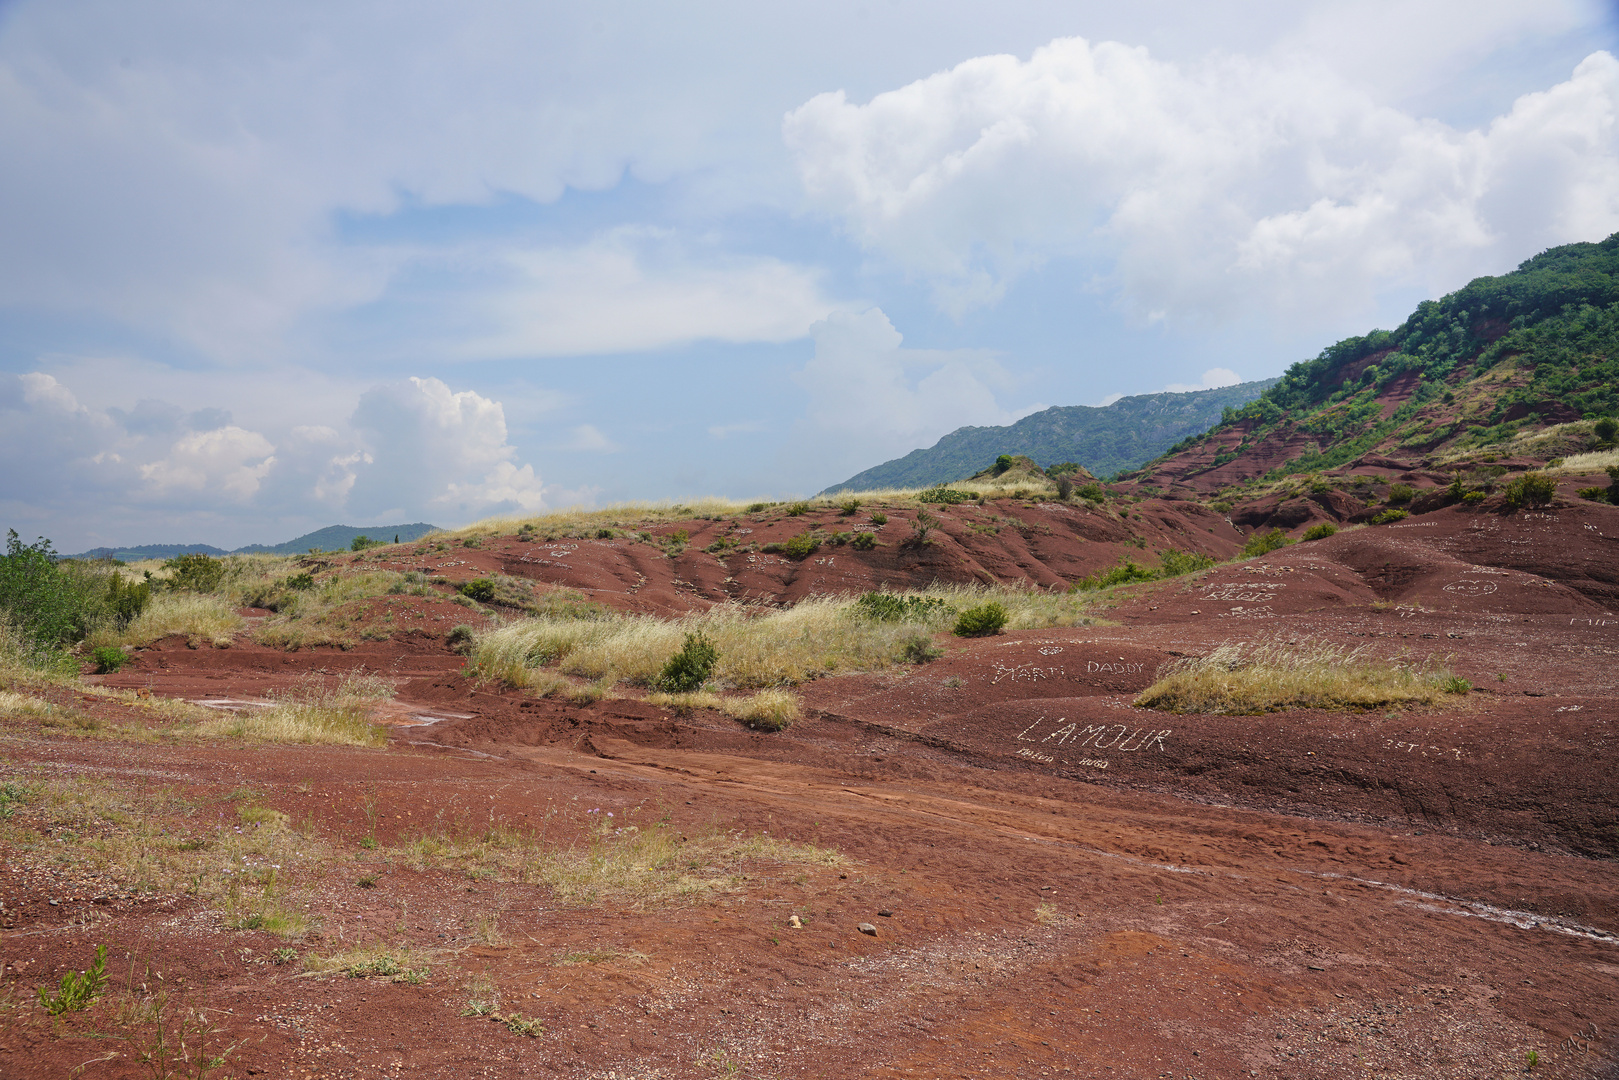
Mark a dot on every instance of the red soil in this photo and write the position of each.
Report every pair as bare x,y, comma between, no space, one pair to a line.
1061,884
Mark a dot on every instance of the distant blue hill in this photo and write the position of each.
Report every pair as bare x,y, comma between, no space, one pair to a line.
331,538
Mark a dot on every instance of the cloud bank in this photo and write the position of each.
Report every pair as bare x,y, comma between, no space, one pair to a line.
1199,189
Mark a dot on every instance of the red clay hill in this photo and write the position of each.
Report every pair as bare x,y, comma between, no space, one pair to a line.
992,863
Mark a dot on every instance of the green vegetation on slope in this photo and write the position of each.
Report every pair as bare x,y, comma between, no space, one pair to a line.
1527,348
1104,439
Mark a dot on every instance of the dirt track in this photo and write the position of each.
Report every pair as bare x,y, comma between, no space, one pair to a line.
1072,886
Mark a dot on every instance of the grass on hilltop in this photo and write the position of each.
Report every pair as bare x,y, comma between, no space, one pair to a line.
1246,679
776,647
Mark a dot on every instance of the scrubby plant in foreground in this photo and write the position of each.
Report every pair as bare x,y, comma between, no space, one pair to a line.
1530,489
985,619
1246,679
689,668
1320,530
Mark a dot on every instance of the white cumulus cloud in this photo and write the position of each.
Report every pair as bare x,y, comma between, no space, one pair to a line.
1197,185
868,399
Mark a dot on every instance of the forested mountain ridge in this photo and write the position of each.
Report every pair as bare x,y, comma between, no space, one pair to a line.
1105,439
1478,368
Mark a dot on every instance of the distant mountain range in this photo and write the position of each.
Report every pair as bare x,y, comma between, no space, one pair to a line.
331,538
1106,439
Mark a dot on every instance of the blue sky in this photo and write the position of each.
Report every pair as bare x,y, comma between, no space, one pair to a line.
265,268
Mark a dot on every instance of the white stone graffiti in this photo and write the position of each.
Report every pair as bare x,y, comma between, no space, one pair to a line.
1064,734
1244,592
1469,587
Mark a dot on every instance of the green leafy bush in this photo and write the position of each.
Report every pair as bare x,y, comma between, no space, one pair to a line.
985,619
1125,573
194,573
460,638
1065,487
890,607
1260,543
1473,497
1530,489
919,649
1390,515
79,989
301,582
947,496
1400,494
801,546
361,542
1002,463
848,507
797,509
1092,493
109,658
863,541
1595,494
479,589
1320,530
51,604
1606,430
689,668
879,518
1174,563
125,599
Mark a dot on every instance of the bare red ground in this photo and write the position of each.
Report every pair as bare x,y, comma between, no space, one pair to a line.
1061,884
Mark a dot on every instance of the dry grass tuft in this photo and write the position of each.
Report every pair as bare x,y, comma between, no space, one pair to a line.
1246,679
768,710
769,648
616,861
1597,461
312,714
201,618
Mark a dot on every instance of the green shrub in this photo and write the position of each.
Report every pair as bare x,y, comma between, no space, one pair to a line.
126,600
1002,463
1320,530
797,509
1606,430
1530,489
863,541
890,607
479,589
1065,487
1594,493
848,507
689,668
51,603
923,524
301,582
1125,573
1260,543
947,496
985,619
1092,493
1390,515
919,649
800,546
878,518
1401,494
194,573
1456,685
1174,563
1473,497
460,638
361,542
754,508
109,658
79,989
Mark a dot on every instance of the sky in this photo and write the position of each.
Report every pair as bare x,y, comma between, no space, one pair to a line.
270,267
